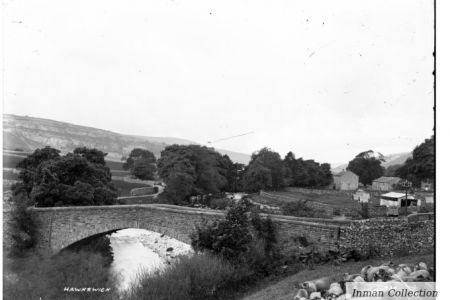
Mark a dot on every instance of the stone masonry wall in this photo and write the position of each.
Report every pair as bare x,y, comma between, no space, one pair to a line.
62,226
389,236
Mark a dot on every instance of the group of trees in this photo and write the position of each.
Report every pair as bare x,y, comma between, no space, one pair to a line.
82,177
267,170
421,166
78,178
193,169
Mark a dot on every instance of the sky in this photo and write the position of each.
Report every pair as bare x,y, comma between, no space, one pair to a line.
324,79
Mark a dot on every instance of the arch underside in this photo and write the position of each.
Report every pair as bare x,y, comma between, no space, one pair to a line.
81,234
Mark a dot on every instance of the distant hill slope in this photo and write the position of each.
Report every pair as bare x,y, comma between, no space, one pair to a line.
29,133
391,159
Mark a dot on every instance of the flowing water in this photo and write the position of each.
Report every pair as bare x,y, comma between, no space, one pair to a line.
138,250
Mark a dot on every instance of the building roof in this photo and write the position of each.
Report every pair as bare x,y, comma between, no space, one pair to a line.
344,173
390,180
396,195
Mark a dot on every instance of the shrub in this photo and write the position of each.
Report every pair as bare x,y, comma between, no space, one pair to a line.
220,203
364,212
44,277
229,238
200,276
336,212
247,243
300,209
23,226
423,209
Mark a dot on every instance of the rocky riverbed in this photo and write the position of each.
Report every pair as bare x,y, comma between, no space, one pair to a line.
138,250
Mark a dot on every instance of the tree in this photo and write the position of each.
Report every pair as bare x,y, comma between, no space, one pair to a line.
367,165
422,164
141,162
265,171
306,173
257,177
80,178
93,155
193,170
29,165
391,171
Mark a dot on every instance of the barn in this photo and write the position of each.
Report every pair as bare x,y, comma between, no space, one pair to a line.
346,180
385,183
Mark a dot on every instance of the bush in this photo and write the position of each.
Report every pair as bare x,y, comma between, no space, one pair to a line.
200,276
364,212
23,227
336,212
423,209
221,203
229,238
247,243
44,277
300,209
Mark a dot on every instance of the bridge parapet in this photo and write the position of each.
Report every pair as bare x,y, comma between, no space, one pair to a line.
59,227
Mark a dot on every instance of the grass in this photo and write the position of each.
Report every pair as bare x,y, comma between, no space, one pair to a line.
139,200
285,289
40,276
125,188
199,276
114,165
337,199
120,173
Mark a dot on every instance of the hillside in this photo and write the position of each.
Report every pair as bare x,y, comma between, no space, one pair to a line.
390,160
28,133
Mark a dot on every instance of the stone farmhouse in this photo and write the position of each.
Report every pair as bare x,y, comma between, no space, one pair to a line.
345,180
385,183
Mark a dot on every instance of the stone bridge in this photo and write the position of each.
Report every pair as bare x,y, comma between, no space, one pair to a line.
60,227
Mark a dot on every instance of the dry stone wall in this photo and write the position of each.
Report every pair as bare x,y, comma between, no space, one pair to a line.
389,236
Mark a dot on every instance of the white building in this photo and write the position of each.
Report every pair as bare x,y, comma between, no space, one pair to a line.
394,199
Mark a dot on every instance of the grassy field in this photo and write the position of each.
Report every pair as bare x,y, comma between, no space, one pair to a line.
119,173
331,199
334,199
139,200
285,289
114,165
124,188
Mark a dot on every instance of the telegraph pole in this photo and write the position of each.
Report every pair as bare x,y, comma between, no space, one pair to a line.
407,185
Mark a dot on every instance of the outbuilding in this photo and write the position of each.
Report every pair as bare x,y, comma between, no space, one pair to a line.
346,180
385,183
394,199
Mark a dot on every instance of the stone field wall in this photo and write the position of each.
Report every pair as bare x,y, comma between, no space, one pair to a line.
390,236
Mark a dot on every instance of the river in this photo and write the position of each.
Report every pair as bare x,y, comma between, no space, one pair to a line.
138,250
